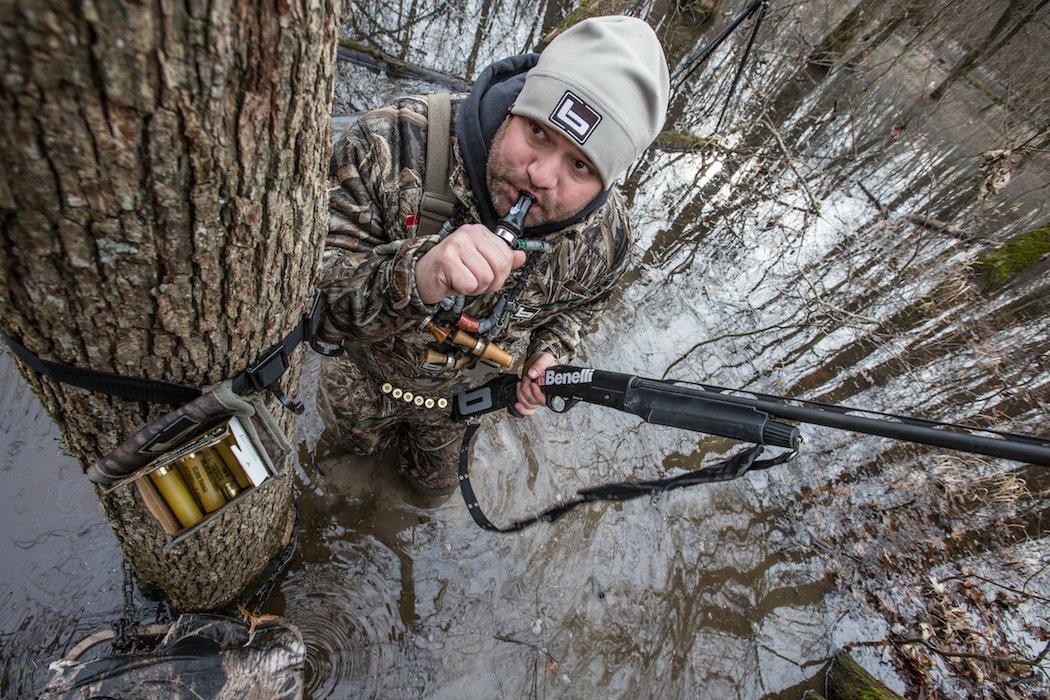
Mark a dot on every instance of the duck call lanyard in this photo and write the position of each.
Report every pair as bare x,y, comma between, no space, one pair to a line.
488,327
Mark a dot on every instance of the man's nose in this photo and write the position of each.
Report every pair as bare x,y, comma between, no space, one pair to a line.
543,173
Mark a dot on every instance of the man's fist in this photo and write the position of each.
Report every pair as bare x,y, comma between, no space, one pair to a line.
471,261
530,396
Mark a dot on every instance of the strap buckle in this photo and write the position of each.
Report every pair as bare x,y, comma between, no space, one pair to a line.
265,375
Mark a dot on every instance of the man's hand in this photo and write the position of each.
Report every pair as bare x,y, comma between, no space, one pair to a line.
471,261
530,396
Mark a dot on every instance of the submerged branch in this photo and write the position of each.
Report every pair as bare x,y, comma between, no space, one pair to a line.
723,336
985,579
927,222
956,654
535,647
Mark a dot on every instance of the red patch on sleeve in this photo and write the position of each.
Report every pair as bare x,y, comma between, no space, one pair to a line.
412,219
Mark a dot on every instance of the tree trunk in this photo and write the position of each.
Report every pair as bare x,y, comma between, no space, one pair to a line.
162,207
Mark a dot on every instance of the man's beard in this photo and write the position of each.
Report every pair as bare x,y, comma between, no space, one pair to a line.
503,190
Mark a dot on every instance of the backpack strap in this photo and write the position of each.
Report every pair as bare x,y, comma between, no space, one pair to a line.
438,201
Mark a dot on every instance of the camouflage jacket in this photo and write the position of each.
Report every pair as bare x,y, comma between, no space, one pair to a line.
368,271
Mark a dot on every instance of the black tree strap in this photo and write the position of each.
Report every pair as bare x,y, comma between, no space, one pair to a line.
130,388
726,470
263,375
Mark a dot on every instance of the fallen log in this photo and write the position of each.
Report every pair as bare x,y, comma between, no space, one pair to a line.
378,61
847,680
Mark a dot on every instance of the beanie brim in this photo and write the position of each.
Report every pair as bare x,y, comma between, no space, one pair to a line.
568,111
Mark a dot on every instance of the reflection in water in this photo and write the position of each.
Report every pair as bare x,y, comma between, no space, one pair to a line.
61,573
806,250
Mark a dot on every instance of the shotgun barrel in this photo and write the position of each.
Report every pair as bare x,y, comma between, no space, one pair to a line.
751,418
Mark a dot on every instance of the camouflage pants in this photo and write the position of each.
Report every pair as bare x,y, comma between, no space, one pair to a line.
362,419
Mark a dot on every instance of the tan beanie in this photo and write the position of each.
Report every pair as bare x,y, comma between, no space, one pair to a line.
602,83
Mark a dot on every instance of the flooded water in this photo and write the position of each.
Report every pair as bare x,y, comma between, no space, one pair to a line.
817,248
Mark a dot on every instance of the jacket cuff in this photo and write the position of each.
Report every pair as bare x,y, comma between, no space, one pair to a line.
553,346
402,295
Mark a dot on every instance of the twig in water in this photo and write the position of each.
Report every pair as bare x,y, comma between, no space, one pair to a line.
791,164
999,585
923,221
536,647
950,653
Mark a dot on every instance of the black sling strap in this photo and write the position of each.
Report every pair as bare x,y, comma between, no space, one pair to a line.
726,470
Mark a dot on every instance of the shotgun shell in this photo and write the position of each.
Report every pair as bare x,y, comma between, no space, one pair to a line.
196,476
174,492
233,465
221,476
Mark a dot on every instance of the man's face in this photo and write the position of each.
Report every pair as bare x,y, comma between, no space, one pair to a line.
527,155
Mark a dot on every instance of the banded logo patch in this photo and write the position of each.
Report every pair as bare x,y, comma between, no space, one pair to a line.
575,116
524,313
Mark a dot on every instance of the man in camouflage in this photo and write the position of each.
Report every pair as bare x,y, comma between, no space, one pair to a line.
563,126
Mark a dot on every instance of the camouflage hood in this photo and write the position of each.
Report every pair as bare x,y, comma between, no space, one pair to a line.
477,120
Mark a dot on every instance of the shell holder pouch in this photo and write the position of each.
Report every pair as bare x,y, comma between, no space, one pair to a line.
191,463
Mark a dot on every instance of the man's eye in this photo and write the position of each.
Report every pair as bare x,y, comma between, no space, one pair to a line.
536,130
581,167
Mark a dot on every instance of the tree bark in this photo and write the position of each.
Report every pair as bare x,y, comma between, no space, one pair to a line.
162,208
